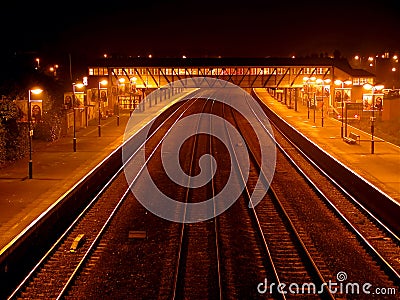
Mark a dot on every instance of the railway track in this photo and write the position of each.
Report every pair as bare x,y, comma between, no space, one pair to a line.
306,230
290,256
54,274
379,244
197,272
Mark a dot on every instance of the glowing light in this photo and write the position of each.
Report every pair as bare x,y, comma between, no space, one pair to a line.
377,87
36,91
367,86
339,82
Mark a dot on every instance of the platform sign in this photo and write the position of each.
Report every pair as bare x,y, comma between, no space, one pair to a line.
68,100
354,106
23,108
342,95
353,110
79,99
372,102
36,110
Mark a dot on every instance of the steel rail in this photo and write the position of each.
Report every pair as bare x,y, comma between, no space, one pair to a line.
216,227
113,213
183,232
387,266
256,219
63,236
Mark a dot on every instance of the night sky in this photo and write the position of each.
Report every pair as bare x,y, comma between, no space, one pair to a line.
200,28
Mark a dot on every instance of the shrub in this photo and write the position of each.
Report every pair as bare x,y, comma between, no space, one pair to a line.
50,127
13,140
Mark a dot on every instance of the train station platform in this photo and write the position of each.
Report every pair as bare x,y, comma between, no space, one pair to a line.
57,169
381,169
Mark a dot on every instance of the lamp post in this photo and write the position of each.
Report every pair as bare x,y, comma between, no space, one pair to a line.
74,85
358,60
85,100
323,82
133,90
103,82
372,62
341,83
122,81
373,88
311,84
306,82
36,91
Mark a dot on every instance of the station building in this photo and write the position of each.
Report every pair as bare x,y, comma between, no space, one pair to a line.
120,83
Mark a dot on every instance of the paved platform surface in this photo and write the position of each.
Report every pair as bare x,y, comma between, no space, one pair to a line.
382,169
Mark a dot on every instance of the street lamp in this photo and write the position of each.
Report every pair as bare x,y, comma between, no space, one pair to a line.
373,88
307,82
35,91
394,76
103,82
323,82
74,85
38,63
133,90
121,81
358,58
341,83
85,100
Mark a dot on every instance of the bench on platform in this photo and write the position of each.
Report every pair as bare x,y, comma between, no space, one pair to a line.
352,138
